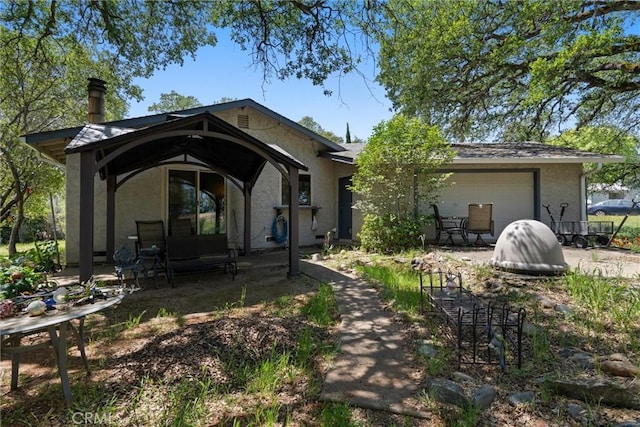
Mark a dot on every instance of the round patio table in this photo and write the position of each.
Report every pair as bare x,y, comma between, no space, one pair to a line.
57,323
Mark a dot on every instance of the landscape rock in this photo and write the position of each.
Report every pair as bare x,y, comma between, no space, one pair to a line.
462,377
483,397
619,368
564,310
575,410
577,357
427,349
529,329
447,391
583,360
635,423
521,398
597,390
545,302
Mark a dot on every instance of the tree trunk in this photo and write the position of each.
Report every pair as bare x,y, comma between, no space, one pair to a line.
15,230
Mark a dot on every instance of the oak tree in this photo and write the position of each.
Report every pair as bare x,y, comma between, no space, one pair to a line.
174,101
530,68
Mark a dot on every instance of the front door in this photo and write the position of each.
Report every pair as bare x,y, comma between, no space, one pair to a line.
345,199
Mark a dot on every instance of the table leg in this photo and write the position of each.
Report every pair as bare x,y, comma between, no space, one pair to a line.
59,341
15,361
79,333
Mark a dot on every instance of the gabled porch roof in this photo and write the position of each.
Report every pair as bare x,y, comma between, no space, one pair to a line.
211,141
52,144
202,139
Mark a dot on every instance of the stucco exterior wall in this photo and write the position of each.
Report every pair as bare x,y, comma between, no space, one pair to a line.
560,183
144,197
267,191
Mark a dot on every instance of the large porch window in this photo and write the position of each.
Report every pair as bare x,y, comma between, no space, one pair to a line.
200,197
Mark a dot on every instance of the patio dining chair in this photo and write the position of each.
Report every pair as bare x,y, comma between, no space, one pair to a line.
451,226
124,260
480,221
152,242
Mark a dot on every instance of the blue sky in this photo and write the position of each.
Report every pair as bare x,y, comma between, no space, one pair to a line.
227,71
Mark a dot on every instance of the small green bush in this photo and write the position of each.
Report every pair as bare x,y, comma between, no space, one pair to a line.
17,279
390,234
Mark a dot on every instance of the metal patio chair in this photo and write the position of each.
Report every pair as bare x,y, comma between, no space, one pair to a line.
451,226
125,259
480,221
152,243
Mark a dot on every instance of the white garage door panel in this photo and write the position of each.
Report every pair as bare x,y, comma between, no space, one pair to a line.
512,195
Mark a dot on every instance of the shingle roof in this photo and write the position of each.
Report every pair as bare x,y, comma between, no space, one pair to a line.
520,152
53,143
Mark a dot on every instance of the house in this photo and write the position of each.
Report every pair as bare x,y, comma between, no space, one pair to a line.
598,192
232,168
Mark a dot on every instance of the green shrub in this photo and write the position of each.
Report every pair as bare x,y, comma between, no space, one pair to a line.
17,279
43,256
390,234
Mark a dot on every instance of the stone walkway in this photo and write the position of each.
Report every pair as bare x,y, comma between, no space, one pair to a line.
372,370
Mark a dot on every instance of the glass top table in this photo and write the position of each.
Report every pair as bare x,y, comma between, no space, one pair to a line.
57,323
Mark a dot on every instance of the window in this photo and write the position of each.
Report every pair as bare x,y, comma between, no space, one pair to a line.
200,197
304,190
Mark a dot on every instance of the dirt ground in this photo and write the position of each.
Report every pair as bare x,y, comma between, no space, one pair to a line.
202,299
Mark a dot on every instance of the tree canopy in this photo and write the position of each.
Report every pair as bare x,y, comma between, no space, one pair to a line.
47,52
311,124
526,69
173,101
609,140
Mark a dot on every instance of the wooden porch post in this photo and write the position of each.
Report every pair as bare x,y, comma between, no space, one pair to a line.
294,234
247,219
85,252
111,217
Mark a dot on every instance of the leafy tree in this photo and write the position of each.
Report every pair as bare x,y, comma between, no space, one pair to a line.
310,40
47,51
173,101
311,124
225,99
530,67
398,166
31,102
610,140
348,135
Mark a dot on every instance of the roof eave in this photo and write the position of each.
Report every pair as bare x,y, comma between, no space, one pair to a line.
558,160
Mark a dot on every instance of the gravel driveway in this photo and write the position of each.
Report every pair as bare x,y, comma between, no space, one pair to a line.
610,262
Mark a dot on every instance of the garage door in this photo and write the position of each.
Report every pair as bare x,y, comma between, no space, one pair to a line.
512,195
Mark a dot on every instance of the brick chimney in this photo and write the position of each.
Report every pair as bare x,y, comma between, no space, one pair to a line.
96,89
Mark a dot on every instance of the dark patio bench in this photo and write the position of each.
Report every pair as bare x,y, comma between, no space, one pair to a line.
195,253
